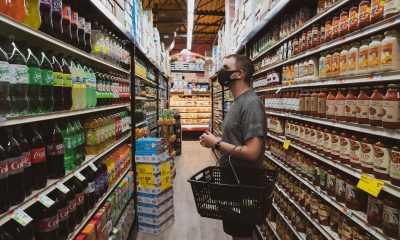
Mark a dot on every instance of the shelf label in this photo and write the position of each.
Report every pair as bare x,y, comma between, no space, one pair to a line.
166,180
370,185
21,217
62,188
146,180
79,176
145,168
317,189
347,211
286,144
46,201
93,167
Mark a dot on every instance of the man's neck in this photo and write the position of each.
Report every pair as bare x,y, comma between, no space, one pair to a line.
238,89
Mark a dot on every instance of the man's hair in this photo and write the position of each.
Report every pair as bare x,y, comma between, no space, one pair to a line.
244,63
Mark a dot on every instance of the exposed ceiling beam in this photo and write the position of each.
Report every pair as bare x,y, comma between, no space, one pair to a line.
197,32
169,22
202,5
196,12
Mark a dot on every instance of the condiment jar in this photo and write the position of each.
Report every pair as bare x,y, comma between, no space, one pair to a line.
335,150
335,63
313,138
314,103
323,213
302,135
330,104
353,59
307,103
374,53
344,59
375,210
344,23
391,215
390,50
355,197
344,148
355,152
340,105
330,183
320,140
363,54
322,34
302,99
328,65
321,66
312,69
315,35
307,133
322,103
334,220
382,160
335,26
367,155
392,7
340,189
364,9
327,142
391,105
328,30
363,105
395,166
376,10
353,19
376,106
351,105
314,205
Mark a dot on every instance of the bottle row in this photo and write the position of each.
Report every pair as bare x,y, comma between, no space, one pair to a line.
377,156
348,21
381,212
56,215
29,157
58,19
31,86
376,106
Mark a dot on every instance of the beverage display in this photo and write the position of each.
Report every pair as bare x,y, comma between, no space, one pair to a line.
38,157
47,84
60,199
111,89
32,18
58,77
45,16
45,218
67,84
16,9
5,104
4,181
56,15
66,21
35,83
27,159
54,151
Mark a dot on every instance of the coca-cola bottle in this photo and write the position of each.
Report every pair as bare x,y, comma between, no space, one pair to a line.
62,205
4,196
26,154
45,219
19,232
54,152
81,33
71,204
88,36
4,235
56,14
15,167
74,27
79,198
45,14
90,191
38,158
66,21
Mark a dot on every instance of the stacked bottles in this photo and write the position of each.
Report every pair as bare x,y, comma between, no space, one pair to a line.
74,140
112,89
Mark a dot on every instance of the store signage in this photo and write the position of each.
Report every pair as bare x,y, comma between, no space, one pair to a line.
370,185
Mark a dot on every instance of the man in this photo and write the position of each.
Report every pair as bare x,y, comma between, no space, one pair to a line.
244,128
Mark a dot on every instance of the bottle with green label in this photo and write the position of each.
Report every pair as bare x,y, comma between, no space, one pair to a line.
93,81
69,150
75,84
4,84
35,83
67,83
58,85
82,88
46,90
87,81
80,142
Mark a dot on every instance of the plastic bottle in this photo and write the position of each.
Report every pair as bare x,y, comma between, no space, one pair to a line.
61,202
58,85
32,18
67,84
5,104
71,206
47,84
90,191
18,231
88,33
69,146
93,88
80,142
81,33
16,9
38,158
45,16
18,80
45,219
87,81
54,152
92,135
75,84
97,40
66,21
35,83
26,155
77,186
82,89
74,27
3,5
4,182
56,15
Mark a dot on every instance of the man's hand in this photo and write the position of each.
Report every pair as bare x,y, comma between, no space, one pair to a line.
208,140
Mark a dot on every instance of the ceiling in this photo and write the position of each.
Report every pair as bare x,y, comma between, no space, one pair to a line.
170,17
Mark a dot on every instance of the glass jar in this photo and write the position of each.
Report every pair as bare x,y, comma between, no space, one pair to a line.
301,109
376,106
322,103
363,54
351,105
312,69
344,148
364,9
330,183
295,45
307,133
340,189
328,65
335,63
391,215
314,103
322,34
355,152
327,143
344,59
392,7
328,30
335,150
335,26
313,138
376,11
307,103
330,104
320,140
355,197
363,105
375,210
315,35
309,39
374,53
390,51
321,66
353,19
340,105
367,155
391,106
344,23
323,213
395,166
382,160
353,59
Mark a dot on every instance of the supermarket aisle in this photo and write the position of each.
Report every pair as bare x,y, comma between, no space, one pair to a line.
188,223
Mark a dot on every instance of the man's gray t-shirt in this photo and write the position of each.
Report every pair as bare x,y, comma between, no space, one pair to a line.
245,119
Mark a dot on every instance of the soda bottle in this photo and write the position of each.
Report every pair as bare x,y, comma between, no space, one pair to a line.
3,5
88,38
67,84
81,33
4,235
74,27
5,104
60,198
69,153
78,186
93,82
18,79
45,219
97,40
58,85
4,197
46,25
35,82
16,9
15,166
90,191
26,154
56,15
32,18
75,85
71,205
54,152
80,135
82,89
66,21
38,157
47,84
19,232
99,86
87,80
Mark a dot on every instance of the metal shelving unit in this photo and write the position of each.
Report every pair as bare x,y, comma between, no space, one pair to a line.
300,236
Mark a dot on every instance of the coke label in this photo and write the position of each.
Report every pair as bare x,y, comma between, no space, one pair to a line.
18,73
88,27
26,159
16,165
57,6
38,155
47,224
55,149
4,72
79,199
3,169
63,214
71,206
81,22
74,17
67,12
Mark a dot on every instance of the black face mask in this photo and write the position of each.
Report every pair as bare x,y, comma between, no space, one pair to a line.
224,77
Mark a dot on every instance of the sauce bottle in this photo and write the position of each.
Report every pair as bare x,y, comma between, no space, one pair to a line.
395,166
382,160
344,148
322,103
344,23
328,65
330,104
351,105
390,56
391,106
374,53
330,183
335,63
391,215
307,103
335,150
364,13
334,220
367,155
376,106
301,109
328,30
320,140
363,105
353,18
335,26
353,59
340,188
355,197
344,60
314,103
327,142
340,105
355,152
363,54
375,209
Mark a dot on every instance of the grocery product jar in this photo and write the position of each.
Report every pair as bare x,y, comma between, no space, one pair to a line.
351,105
344,59
355,152
353,59
327,142
363,105
344,148
391,105
314,103
321,66
364,9
377,10
340,105
330,183
335,149
355,197
382,160
353,19
375,209
322,103
374,53
323,213
390,51
367,155
330,104
392,7
363,55
344,23
395,166
335,63
335,26
376,106
328,30
391,215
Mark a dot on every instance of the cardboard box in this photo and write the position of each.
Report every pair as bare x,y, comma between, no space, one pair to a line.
156,219
155,209
141,158
156,229
155,199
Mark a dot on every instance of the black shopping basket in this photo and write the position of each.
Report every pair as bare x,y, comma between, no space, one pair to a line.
219,193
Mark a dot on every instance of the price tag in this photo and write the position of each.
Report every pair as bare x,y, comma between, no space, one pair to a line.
93,167
115,231
79,176
377,77
371,229
317,189
62,188
166,180
279,89
21,217
145,168
45,200
286,144
347,211
146,180
370,185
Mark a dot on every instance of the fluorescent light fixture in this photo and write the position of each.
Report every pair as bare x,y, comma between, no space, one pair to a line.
190,13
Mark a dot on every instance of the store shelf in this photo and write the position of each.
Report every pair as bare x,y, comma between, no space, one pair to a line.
301,236
144,98
355,216
151,113
22,31
259,234
337,5
272,225
99,203
376,78
140,123
189,106
195,128
55,115
146,81
52,184
378,131
387,187
371,29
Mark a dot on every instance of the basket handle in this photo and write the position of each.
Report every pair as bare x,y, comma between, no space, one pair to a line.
230,162
233,170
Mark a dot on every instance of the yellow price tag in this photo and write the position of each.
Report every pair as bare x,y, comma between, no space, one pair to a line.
286,144
145,168
370,185
166,180
146,180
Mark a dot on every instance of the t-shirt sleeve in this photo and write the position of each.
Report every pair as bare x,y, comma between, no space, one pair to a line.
252,120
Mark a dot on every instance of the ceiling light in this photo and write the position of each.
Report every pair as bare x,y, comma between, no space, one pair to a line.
190,12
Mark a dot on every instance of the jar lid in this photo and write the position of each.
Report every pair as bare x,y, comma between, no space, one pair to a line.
377,37
355,44
391,32
365,87
394,86
379,86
